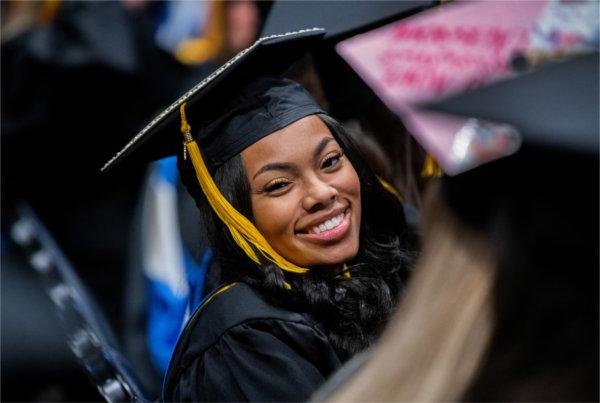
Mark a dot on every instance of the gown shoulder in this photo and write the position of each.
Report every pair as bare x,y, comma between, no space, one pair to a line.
239,347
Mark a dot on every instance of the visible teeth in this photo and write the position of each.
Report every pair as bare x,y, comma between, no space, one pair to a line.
327,225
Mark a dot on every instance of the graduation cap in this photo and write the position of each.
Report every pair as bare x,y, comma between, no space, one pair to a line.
207,100
555,111
241,102
555,106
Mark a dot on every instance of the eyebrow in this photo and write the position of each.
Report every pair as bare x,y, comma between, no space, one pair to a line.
322,144
274,166
284,166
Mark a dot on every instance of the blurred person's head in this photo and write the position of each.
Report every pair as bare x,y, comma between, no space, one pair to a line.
434,342
242,24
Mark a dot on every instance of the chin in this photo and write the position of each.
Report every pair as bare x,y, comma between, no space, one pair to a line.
334,257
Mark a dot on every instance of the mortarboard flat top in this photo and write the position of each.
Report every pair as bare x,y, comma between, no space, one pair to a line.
268,56
554,107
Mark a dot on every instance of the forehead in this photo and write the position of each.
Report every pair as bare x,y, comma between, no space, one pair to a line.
295,140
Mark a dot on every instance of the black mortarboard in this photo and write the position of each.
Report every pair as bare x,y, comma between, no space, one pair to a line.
241,102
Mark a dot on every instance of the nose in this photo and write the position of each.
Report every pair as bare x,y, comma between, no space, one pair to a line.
319,194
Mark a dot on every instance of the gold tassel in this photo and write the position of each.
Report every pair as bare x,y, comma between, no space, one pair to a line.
210,44
431,169
244,233
346,271
390,188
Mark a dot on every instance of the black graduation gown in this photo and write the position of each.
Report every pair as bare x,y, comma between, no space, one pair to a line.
239,347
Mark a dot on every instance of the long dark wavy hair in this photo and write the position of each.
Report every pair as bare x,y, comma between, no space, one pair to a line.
354,310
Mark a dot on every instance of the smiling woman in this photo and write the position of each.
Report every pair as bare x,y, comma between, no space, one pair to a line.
305,195
316,202
312,250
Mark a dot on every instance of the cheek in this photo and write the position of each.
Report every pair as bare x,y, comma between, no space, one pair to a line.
350,187
350,184
272,217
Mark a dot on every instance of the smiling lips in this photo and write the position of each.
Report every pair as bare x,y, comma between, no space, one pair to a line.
330,230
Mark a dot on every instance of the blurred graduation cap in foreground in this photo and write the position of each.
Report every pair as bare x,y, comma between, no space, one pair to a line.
554,107
554,112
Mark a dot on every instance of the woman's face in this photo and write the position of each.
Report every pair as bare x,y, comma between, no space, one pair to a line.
305,194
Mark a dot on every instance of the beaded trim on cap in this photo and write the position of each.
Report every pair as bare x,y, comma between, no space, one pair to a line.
198,87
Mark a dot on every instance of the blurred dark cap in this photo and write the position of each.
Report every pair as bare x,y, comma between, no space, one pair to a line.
555,106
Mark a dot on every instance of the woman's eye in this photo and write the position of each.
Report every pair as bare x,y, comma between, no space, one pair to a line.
331,160
275,186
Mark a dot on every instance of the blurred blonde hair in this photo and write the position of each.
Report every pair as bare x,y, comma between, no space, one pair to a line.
437,339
